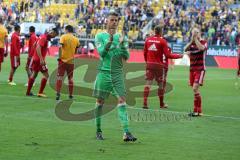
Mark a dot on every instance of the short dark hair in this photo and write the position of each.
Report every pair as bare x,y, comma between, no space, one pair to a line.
69,28
158,29
113,13
55,30
17,28
31,29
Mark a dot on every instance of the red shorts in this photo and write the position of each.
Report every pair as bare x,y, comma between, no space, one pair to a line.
15,61
29,62
65,67
1,55
158,75
36,67
196,77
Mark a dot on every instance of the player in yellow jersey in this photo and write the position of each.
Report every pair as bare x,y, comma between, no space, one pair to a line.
69,44
3,42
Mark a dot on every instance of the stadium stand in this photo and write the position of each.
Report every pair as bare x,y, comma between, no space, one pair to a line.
88,17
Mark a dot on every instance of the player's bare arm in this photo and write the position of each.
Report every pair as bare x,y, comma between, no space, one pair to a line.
6,46
39,53
186,48
60,51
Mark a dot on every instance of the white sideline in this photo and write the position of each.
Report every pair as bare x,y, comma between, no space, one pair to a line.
169,79
135,108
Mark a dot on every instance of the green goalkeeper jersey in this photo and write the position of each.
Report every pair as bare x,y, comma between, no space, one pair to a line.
111,60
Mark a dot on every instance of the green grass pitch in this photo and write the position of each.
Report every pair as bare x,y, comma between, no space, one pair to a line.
29,129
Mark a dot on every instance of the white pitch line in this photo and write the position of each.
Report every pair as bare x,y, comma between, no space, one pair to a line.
135,108
169,79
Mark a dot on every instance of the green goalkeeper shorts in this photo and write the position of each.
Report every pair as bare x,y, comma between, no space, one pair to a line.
106,84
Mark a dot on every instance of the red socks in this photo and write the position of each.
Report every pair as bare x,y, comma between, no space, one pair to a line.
30,84
43,85
145,95
197,103
11,75
58,86
70,86
161,96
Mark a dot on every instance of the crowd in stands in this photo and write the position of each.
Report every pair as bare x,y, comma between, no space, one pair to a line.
220,24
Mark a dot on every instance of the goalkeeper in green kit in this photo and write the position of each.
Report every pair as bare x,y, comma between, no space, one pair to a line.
113,50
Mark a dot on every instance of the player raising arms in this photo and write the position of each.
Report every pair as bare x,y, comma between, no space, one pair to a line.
31,46
69,44
39,63
156,53
196,49
3,42
113,50
14,53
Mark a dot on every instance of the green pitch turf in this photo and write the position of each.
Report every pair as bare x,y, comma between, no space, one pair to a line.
30,130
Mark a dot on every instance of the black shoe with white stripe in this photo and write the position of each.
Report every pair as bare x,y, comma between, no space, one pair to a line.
128,137
99,136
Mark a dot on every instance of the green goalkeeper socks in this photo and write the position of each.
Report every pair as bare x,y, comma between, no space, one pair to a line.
98,114
122,114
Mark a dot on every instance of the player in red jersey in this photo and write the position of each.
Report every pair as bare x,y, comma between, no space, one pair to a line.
155,49
39,63
3,42
31,46
196,50
14,53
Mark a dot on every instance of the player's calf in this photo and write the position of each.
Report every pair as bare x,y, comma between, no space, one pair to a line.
145,96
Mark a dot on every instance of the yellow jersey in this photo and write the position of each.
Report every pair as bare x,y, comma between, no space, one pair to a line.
3,34
69,45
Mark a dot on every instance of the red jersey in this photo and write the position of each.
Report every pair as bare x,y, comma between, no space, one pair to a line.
197,57
32,41
156,52
15,44
43,42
